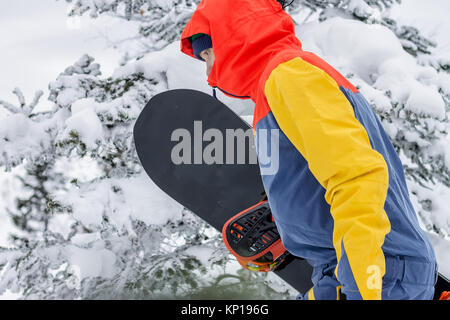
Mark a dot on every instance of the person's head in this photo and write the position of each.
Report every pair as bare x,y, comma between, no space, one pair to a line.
238,41
208,56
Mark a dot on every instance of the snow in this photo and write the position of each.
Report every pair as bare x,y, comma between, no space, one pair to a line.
359,6
157,208
438,195
202,253
121,199
84,238
441,248
61,223
68,96
426,100
21,138
8,295
86,123
92,262
430,17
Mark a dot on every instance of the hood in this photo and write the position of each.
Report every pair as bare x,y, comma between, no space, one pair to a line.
246,35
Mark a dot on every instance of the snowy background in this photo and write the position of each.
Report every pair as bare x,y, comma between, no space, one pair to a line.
81,220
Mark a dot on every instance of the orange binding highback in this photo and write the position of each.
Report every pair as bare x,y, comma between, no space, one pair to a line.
445,295
252,237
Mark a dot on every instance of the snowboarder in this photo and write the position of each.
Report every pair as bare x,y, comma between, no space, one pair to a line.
339,197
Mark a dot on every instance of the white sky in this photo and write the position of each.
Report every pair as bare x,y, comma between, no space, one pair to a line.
37,43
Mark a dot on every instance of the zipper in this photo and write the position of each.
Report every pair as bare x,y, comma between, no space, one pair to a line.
232,95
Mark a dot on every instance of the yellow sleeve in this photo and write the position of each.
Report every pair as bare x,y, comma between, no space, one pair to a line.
319,120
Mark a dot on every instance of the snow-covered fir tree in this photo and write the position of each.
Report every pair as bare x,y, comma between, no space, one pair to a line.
90,224
121,236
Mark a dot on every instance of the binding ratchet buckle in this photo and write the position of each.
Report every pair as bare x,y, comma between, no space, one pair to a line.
252,237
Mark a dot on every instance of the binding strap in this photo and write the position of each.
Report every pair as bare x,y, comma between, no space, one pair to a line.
252,237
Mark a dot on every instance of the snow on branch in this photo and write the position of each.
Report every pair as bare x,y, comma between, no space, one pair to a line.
25,109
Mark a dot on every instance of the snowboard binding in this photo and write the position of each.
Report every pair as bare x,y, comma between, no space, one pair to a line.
445,295
252,237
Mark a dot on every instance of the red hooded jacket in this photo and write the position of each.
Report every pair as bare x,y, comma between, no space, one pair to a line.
250,38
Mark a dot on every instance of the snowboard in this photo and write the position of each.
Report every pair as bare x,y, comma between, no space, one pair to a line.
201,154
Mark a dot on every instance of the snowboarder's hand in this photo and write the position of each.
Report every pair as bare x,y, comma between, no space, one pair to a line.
208,56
